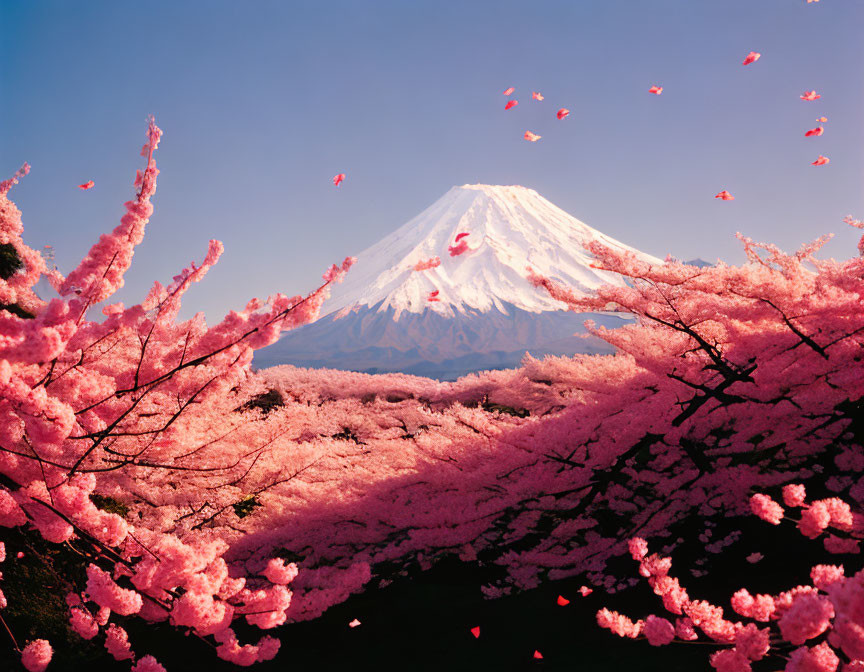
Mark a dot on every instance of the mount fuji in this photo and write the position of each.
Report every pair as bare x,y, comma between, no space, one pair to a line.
387,316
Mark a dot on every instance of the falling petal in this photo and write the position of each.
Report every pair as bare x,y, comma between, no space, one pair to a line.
86,185
532,137
511,103
339,179
563,112
752,57
563,601
810,95
538,655
821,161
426,264
725,196
754,558
476,631
354,623
509,91
657,90
536,95
459,248
822,120
433,295
585,591
460,236
814,132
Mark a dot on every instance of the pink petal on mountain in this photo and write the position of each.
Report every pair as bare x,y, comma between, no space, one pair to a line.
459,248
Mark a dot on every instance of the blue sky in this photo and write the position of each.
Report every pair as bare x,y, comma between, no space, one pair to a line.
263,102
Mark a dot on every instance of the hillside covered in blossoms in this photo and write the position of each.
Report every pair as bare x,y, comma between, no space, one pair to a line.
179,487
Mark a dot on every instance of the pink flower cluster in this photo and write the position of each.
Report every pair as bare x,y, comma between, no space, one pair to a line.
36,655
833,604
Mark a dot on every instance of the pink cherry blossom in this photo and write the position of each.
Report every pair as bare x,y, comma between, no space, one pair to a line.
766,508
83,623
820,658
619,624
106,593
278,572
117,643
147,664
752,642
730,660
794,495
809,616
36,655
659,631
638,548
815,518
684,629
759,608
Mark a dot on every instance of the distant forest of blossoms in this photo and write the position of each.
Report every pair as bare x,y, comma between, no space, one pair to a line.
164,481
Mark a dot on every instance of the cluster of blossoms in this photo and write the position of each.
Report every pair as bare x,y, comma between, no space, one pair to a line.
830,608
816,517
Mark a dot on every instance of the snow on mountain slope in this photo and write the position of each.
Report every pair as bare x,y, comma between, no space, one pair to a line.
487,314
510,228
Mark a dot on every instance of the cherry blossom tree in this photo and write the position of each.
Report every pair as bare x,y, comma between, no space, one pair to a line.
85,402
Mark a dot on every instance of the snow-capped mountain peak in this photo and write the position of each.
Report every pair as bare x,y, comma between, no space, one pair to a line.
509,229
463,313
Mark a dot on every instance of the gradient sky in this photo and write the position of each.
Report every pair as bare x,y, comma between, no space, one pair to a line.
263,102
